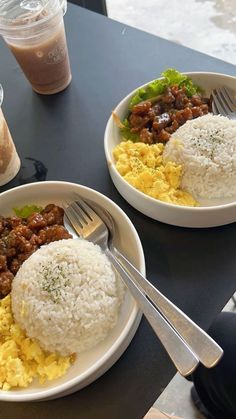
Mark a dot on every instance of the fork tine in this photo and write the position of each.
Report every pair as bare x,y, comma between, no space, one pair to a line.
218,103
231,95
86,222
80,213
225,98
88,210
73,220
214,108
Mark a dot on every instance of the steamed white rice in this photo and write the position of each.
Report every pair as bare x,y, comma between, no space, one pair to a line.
206,149
67,296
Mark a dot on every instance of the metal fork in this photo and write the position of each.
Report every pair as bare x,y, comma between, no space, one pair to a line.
224,102
185,342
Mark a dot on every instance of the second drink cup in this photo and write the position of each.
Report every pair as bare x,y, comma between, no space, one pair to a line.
9,159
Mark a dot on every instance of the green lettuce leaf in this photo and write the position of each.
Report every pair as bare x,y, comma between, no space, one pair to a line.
126,134
27,210
171,77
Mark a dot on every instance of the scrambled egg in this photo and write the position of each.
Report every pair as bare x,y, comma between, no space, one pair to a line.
21,358
143,167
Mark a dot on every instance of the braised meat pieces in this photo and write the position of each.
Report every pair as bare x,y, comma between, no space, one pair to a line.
20,237
155,121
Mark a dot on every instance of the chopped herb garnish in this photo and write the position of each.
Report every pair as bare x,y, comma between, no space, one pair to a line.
54,281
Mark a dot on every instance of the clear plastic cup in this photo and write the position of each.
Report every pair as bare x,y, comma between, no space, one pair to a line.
9,159
34,31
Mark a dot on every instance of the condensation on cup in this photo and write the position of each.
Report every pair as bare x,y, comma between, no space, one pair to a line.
9,159
34,31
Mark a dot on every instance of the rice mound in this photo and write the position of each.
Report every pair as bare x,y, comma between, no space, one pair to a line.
206,149
67,296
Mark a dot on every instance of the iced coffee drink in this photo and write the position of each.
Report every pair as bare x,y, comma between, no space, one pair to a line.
36,37
46,65
9,159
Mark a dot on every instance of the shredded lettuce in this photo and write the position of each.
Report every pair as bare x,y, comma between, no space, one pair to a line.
171,77
126,134
27,210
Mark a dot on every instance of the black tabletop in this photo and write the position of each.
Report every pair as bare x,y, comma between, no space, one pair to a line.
60,137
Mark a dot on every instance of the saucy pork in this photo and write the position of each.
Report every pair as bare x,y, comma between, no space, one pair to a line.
20,237
156,119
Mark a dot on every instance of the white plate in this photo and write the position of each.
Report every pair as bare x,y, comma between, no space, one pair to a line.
211,212
91,364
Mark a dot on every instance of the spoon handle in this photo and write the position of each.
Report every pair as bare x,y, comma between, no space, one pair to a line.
182,356
206,349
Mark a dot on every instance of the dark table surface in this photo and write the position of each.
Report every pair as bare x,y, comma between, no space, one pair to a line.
64,135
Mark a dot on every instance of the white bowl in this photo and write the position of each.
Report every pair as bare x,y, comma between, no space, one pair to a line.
91,364
210,213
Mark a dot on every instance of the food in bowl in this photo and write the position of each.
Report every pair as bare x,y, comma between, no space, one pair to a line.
142,166
21,358
63,297
206,150
89,365
157,110
175,174
23,234
67,296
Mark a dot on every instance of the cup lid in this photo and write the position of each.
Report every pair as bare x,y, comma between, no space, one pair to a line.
27,13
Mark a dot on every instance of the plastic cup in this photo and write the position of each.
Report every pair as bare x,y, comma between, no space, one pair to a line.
9,159
34,31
